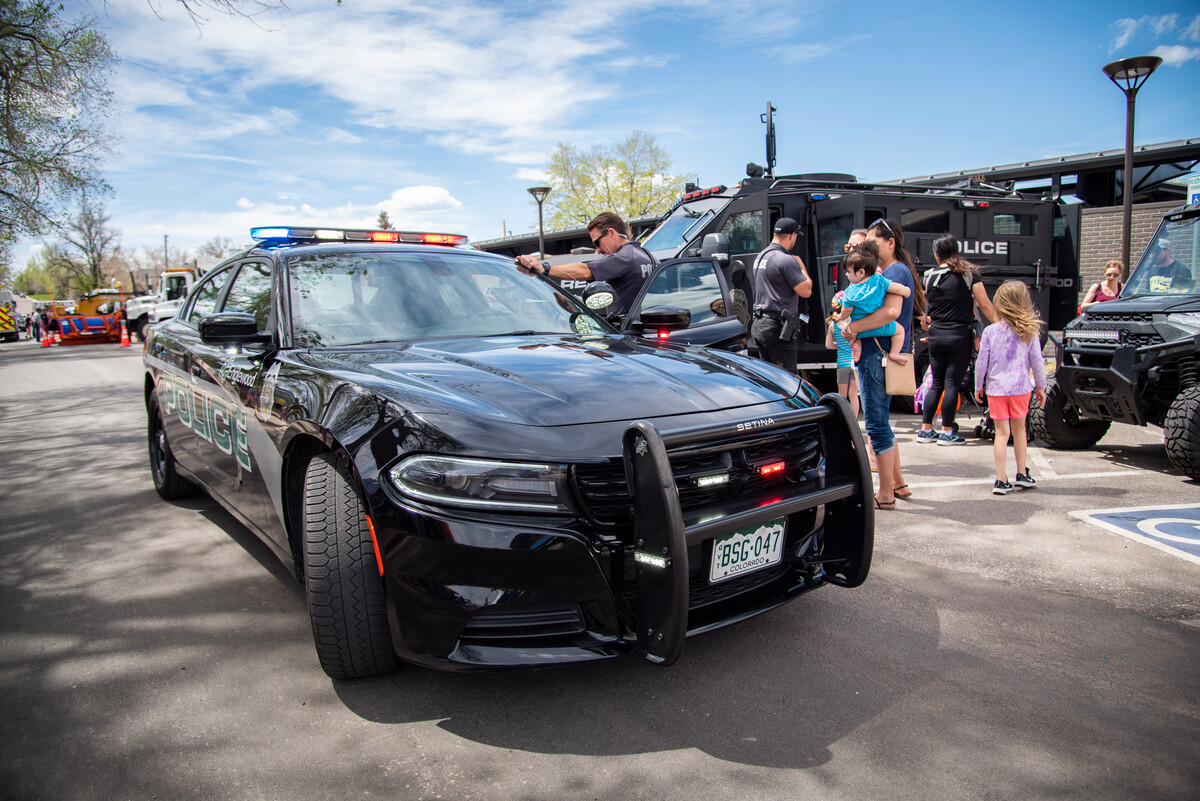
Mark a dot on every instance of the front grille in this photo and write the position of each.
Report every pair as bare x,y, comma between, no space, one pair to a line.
1127,318
509,623
606,495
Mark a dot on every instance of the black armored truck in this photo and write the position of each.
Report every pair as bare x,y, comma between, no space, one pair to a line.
1135,359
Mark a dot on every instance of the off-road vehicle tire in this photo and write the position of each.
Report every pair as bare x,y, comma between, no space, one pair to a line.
1059,424
341,576
1181,433
167,482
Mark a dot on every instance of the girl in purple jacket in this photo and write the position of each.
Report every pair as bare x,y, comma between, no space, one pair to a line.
1009,353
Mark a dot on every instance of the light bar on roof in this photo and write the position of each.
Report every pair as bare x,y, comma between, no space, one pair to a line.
282,235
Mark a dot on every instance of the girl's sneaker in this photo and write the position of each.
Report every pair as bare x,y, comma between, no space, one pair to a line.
1001,487
1025,480
927,436
947,438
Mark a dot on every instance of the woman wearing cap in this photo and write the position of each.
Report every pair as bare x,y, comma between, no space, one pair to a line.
887,239
1108,289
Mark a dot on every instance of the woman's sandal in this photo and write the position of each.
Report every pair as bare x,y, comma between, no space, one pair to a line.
884,504
900,494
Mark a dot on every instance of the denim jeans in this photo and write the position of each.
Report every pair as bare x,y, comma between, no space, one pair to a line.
873,389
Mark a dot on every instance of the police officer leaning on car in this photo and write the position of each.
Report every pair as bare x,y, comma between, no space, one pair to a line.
623,263
780,280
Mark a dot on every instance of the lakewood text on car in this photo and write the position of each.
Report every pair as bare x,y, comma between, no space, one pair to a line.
466,467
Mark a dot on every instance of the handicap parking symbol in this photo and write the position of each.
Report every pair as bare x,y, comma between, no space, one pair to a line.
1174,529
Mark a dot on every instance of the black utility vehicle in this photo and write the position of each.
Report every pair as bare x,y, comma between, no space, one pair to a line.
467,467
1135,359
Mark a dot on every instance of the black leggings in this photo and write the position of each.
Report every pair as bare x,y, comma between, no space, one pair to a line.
949,357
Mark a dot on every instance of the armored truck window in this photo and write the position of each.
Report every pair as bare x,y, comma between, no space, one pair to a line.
1015,224
833,233
744,232
925,221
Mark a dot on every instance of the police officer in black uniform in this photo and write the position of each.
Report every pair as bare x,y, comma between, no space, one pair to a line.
624,263
780,280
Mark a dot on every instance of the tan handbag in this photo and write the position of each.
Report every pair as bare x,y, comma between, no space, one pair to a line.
900,379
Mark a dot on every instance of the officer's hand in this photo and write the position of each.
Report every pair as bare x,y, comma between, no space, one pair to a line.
526,263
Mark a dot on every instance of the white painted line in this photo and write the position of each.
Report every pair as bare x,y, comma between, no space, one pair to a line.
1087,516
989,481
1045,470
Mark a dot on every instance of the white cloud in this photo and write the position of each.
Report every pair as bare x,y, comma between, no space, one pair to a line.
1176,55
1192,31
527,174
1125,29
244,203
1162,24
338,136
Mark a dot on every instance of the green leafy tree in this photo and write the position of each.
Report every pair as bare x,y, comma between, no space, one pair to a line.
53,99
383,222
631,178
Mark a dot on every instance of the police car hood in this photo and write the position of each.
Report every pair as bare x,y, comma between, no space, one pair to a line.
557,380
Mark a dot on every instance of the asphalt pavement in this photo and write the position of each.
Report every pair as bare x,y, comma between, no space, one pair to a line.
1003,647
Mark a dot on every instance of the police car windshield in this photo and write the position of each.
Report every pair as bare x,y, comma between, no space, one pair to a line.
378,296
678,228
1169,264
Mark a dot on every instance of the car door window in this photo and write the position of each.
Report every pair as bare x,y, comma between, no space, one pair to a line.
250,293
692,285
204,301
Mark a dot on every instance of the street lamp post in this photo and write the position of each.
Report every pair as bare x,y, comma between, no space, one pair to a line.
1129,74
539,194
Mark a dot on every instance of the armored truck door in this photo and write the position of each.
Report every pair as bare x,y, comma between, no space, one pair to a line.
747,227
836,218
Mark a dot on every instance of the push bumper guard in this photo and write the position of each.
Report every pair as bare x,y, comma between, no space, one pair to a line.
662,533
1113,392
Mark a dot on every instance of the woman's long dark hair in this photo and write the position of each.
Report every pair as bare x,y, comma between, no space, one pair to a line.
890,229
945,250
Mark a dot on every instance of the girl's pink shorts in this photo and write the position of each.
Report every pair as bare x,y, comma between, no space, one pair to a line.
1004,407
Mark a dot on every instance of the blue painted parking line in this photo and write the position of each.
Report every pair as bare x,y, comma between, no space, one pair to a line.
1174,529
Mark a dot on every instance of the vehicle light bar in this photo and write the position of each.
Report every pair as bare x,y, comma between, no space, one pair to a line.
771,469
287,235
973,204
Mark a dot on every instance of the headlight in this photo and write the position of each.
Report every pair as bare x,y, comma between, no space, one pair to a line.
1188,321
484,484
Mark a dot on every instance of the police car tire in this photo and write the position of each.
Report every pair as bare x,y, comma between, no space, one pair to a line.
1181,433
1059,426
167,481
345,591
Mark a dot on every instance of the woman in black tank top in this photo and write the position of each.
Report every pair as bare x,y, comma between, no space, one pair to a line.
951,292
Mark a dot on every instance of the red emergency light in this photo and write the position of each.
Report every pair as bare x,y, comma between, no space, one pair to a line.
771,469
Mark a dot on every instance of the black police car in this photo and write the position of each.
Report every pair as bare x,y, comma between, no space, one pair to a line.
467,467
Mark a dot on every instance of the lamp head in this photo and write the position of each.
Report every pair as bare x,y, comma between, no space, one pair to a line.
1131,73
539,192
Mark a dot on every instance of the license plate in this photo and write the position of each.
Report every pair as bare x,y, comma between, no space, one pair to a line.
746,550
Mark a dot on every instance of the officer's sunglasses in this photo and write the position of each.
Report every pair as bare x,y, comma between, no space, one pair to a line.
596,241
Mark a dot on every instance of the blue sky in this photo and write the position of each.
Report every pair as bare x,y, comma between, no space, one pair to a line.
443,112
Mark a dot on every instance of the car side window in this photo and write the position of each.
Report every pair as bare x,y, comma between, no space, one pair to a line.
250,293
692,285
744,232
205,300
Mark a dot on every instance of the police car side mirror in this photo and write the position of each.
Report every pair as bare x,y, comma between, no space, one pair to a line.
715,246
738,273
599,295
230,328
665,318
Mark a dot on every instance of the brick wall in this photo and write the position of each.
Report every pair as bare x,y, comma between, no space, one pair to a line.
1100,238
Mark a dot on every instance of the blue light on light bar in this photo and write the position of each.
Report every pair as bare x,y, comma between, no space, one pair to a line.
269,233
